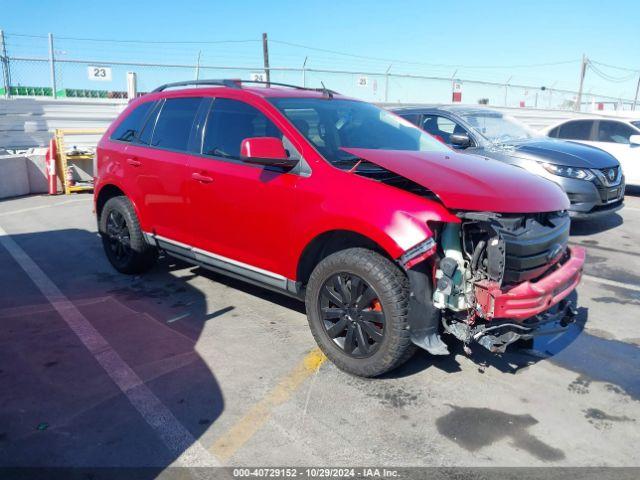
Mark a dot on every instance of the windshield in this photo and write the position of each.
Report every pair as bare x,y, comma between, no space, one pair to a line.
332,124
498,128
636,123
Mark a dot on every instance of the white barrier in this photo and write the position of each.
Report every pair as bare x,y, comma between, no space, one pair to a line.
30,122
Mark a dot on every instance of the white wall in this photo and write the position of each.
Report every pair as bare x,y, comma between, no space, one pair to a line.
30,122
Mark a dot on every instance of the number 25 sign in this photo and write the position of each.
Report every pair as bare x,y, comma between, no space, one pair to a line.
100,74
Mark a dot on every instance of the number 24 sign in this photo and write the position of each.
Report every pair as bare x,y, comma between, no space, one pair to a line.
100,74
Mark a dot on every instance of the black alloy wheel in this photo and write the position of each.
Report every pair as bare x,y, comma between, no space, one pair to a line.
118,236
352,314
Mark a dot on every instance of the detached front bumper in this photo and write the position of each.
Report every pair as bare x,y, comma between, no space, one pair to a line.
531,298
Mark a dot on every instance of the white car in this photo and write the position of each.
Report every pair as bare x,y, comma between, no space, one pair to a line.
621,138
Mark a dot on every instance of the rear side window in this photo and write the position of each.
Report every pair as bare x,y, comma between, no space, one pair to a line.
130,127
614,132
174,123
231,121
578,130
412,117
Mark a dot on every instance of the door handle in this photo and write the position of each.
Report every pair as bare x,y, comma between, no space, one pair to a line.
201,178
133,162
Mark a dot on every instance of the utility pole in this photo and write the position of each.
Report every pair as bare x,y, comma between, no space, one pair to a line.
583,72
265,54
304,73
198,66
6,72
506,89
635,99
386,84
52,67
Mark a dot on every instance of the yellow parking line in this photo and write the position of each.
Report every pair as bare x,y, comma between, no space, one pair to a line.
229,443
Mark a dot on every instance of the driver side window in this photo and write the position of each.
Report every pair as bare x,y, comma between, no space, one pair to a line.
231,121
441,128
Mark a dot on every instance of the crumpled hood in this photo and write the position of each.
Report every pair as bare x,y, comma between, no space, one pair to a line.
471,182
560,152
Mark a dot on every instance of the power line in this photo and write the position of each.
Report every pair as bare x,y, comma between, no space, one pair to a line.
635,70
611,78
392,60
149,42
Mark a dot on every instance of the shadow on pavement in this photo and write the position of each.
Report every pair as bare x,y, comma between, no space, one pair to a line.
597,225
58,406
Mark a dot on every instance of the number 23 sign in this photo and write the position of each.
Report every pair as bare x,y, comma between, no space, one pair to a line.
100,74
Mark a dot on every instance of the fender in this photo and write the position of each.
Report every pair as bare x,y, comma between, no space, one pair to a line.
394,219
112,183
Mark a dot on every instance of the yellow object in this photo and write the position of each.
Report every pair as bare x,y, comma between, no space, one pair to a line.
63,160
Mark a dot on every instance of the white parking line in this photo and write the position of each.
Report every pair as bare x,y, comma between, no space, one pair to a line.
41,207
613,283
173,434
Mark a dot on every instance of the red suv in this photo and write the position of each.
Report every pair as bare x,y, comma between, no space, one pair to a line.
389,236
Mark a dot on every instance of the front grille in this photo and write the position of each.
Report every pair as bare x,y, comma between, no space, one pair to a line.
532,248
610,194
608,177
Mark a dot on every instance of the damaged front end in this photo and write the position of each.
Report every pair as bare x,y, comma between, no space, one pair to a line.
494,279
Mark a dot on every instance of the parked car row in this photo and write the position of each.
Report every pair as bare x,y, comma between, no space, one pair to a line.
621,138
591,177
390,236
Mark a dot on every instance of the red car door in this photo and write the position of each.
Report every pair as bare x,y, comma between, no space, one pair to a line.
159,163
242,216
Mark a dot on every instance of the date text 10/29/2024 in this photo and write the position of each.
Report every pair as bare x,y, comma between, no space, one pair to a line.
310,472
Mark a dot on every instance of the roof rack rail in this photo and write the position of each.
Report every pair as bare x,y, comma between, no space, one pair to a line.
237,83
220,83
297,87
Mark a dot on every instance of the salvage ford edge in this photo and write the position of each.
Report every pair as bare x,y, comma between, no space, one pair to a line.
389,236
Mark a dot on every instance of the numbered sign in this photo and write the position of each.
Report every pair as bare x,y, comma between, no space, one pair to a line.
259,77
99,74
363,81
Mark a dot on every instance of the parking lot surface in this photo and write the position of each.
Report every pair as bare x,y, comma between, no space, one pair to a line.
181,366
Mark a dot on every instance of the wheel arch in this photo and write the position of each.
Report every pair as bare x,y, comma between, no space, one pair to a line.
108,191
326,243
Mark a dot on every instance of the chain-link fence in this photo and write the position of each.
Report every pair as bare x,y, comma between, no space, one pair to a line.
43,66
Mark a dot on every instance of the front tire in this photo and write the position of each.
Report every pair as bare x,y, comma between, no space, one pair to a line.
122,237
357,303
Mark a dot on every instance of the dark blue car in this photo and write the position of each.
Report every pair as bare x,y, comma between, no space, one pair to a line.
592,178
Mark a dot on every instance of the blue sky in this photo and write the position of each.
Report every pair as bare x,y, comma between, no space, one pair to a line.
445,37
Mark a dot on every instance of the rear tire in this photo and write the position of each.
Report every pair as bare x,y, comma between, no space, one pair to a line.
122,237
372,302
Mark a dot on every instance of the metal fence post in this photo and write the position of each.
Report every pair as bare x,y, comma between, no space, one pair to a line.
6,70
52,65
386,84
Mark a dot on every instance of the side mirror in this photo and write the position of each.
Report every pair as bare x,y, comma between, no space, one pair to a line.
267,151
460,140
634,139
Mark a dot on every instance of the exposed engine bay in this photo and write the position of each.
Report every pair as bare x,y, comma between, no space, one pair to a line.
499,251
495,278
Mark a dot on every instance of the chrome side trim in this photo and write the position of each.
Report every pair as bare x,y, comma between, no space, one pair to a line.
218,262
